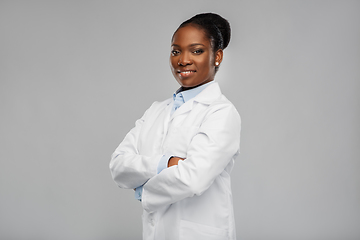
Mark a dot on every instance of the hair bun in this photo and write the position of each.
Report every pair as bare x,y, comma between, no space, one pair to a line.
221,23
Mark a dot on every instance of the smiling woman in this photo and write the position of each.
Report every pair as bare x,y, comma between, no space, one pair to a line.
179,156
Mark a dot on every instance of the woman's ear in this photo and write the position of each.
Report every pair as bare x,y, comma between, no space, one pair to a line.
218,57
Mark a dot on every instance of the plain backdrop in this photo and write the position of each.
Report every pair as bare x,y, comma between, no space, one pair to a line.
75,75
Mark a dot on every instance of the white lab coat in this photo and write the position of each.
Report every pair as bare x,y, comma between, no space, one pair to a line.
193,200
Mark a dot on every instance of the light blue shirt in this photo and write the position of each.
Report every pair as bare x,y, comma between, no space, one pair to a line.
179,98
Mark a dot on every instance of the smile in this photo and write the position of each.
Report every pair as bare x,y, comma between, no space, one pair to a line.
186,73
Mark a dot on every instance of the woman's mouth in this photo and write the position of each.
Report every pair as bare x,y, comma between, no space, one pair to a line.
186,73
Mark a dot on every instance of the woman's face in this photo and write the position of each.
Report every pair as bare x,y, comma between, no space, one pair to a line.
192,59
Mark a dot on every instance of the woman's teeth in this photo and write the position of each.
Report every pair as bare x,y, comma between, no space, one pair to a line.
186,73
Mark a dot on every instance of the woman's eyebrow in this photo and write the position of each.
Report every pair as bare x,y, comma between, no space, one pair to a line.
191,45
195,44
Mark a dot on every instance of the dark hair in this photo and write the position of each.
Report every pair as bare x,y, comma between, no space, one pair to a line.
216,28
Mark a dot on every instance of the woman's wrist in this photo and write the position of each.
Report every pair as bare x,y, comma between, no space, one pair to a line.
174,161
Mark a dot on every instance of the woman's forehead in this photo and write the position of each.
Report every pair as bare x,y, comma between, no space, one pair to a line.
190,35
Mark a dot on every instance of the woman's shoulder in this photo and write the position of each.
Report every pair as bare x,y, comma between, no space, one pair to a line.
159,105
222,102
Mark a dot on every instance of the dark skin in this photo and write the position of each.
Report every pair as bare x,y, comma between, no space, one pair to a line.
192,62
174,161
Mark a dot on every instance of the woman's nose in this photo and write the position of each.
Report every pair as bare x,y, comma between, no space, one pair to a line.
185,59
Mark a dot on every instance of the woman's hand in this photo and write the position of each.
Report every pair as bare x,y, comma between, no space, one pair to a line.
174,161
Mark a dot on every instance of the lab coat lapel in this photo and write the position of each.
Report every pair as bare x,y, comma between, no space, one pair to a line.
186,107
166,120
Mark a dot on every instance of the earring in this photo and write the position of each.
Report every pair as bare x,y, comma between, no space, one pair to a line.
216,63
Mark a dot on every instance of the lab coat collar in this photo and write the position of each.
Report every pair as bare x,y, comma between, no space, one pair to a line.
207,96
191,93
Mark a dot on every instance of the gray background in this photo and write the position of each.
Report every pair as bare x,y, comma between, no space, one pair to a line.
75,75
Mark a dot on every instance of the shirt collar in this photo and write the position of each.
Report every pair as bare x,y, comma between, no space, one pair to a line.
191,93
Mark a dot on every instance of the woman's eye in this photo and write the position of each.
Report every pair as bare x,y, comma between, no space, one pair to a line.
175,52
198,51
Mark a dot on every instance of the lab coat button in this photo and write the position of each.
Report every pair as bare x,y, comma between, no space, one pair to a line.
151,222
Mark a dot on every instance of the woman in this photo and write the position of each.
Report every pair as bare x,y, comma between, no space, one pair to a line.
180,153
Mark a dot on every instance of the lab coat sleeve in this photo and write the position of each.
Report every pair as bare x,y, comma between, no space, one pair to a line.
215,144
128,167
